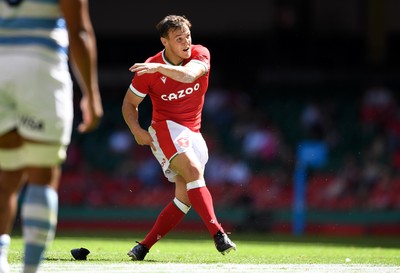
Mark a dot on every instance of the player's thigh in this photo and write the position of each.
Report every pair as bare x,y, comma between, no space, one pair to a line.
11,155
188,166
11,181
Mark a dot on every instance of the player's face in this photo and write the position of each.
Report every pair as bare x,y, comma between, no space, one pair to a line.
178,45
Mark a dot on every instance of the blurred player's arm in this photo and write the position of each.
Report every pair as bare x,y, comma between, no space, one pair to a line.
186,74
130,112
83,55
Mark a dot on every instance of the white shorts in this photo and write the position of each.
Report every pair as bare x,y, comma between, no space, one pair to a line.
171,139
36,98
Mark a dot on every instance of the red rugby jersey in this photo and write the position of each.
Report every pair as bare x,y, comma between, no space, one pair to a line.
173,100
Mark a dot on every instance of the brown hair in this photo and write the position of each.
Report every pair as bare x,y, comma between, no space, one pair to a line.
172,22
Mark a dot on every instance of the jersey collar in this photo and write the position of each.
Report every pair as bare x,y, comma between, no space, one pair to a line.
166,60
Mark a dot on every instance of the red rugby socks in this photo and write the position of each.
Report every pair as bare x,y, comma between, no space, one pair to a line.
202,202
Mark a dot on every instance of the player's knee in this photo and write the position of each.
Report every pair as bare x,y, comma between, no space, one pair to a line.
193,173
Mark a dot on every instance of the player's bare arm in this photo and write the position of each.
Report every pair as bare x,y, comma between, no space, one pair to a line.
186,74
130,112
83,55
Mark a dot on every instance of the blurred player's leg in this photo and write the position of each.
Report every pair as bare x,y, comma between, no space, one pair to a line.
39,217
11,178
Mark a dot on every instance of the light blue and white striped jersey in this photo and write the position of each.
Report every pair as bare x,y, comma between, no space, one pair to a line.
33,27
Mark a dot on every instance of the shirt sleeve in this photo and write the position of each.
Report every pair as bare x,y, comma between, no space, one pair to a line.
201,55
139,86
136,92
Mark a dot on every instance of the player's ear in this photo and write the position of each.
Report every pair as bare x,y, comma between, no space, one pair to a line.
163,41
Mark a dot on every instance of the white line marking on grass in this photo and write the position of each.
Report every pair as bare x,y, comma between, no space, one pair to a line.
82,267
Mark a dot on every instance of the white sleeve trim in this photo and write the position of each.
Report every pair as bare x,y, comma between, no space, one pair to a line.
201,63
136,92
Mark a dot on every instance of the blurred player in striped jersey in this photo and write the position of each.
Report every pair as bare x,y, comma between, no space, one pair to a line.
36,111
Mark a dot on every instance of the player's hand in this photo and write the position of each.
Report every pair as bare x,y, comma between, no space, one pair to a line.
142,68
92,112
143,137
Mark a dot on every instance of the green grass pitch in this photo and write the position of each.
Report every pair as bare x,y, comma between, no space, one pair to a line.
184,252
